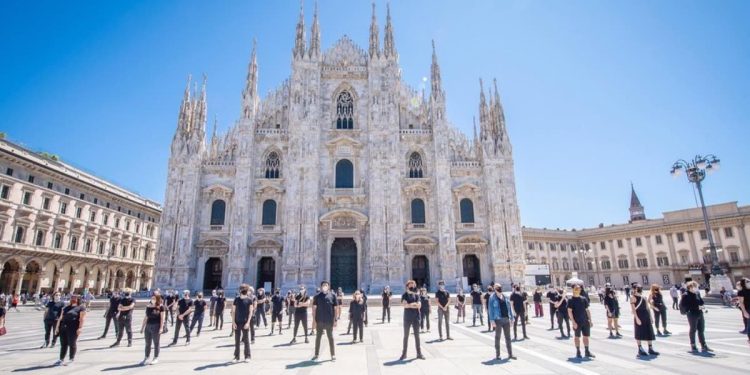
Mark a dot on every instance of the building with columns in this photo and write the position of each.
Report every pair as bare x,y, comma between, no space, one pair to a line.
342,173
64,229
667,250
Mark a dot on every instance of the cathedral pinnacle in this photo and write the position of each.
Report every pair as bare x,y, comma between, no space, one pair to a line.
299,41
250,93
437,89
374,37
389,47
315,35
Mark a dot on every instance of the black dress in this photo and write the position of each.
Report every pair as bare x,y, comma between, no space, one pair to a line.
645,331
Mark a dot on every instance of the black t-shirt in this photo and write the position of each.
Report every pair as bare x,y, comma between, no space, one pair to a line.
487,298
200,306
518,301
183,305
410,297
261,298
551,297
54,310
299,298
277,302
125,302
325,306
2,311
170,300
220,302
153,314
340,298
72,314
563,309
658,300
242,309
579,305
113,303
461,298
745,294
443,297
425,303
476,297
537,297
386,298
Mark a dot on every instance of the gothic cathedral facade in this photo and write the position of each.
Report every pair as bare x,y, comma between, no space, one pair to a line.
343,173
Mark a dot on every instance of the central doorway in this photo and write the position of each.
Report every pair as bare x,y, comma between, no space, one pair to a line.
471,269
266,273
344,264
212,274
420,271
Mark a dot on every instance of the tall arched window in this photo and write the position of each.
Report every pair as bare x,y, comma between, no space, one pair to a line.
467,210
345,111
344,174
58,240
19,235
217,212
74,243
417,211
269,212
39,238
273,165
415,165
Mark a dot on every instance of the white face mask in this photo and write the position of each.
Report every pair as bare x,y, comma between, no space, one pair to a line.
57,298
324,289
442,287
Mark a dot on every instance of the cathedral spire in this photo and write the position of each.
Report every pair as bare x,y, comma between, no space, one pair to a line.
437,88
374,37
250,93
199,124
389,47
183,120
500,120
482,108
636,209
314,50
299,41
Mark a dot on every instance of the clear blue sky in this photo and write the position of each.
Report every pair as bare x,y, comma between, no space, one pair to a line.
597,93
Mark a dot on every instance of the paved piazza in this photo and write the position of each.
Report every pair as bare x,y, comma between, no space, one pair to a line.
471,352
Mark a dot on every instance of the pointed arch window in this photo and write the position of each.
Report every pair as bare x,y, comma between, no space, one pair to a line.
217,212
345,111
273,165
344,174
417,211
269,212
467,210
415,165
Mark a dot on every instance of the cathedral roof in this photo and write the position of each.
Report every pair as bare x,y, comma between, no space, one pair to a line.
345,53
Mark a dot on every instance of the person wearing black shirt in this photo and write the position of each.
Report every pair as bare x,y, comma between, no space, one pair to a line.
743,294
612,306
301,302
51,315
692,303
643,330
124,318
324,315
171,304
199,306
386,296
560,304
242,310
656,300
212,307
552,310
443,311
111,314
627,293
357,315
184,309
69,327
578,311
290,307
277,308
152,326
410,302
538,310
424,309
260,312
461,306
221,302
486,301
476,305
256,306
518,302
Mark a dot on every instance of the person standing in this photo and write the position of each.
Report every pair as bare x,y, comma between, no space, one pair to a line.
324,315
551,297
424,309
476,305
560,301
443,310
277,308
219,310
290,301
743,299
538,310
500,314
69,327
110,315
627,293
124,318
212,307
151,328
692,303
51,315
2,312
171,305
674,292
184,309
301,302
199,308
410,302
486,301
386,296
460,306
579,314
612,306
357,315
260,312
242,310
251,294
518,303
656,300
644,331
340,302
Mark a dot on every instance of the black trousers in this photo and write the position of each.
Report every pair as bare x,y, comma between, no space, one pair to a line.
520,315
424,316
124,323
241,331
260,313
697,324
328,329
359,326
219,316
110,317
660,315
68,340
197,318
561,317
50,326
444,315
386,310
503,324
152,334
552,313
675,304
185,322
413,325
299,318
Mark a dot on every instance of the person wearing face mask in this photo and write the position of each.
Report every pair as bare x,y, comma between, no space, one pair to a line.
500,314
277,306
518,302
460,306
152,326
411,304
552,310
110,315
184,309
221,302
424,309
476,305
290,301
357,315
124,318
612,305
324,316
560,302
579,314
260,312
443,311
656,300
170,305
242,310
692,304
340,302
199,306
51,313
212,307
69,327
386,297
644,331
301,302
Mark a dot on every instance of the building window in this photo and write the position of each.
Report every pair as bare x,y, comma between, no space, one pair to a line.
45,203
703,234
117,222
728,232
5,192
531,246
39,240
622,263
625,280
684,258
606,264
123,251
734,257
81,196
19,235
50,185
417,211
638,241
467,210
644,279
680,237
79,210
658,239
105,219
575,265
607,279
273,165
74,243
565,264
553,247
9,171
31,179
58,240
665,279
100,248
590,265
87,246
217,212
344,174
345,111
26,198
602,245
269,212
63,208
92,216
662,261
67,191
415,165
555,265
641,262
619,244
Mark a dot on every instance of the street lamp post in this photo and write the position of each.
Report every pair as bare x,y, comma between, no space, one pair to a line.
696,171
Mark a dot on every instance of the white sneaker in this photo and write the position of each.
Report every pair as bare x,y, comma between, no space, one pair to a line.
144,362
155,361
59,362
